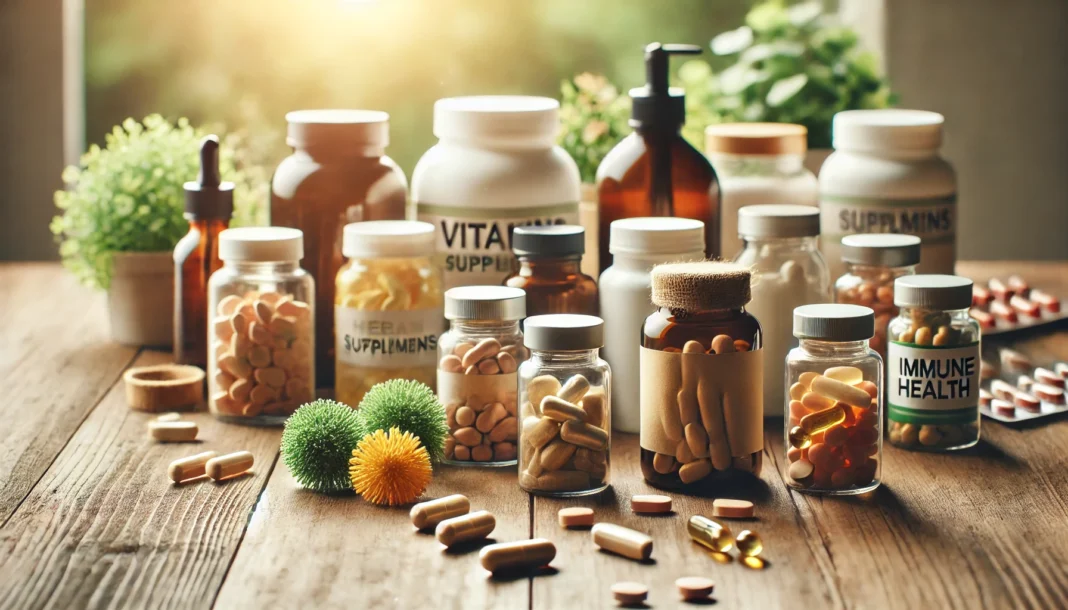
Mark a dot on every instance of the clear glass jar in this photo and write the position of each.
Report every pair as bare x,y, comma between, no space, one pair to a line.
566,396
933,363
388,307
782,252
702,412
261,358
873,261
834,411
478,363
550,257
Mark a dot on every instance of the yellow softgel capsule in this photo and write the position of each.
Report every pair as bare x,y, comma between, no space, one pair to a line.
817,422
799,439
850,375
710,534
749,543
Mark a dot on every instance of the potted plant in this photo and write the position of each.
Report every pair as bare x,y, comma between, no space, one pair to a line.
790,65
593,119
122,214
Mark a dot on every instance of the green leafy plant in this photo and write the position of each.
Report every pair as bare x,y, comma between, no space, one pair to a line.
317,444
128,197
409,405
791,65
593,119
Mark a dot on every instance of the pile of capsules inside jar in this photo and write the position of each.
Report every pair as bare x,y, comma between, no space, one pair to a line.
565,443
834,431
263,355
875,290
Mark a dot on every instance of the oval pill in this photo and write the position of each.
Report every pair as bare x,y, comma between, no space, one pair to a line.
1003,407
173,431
429,514
846,374
575,516
694,587
630,593
622,541
1048,377
1048,393
172,416
574,389
815,402
229,465
584,435
473,526
189,467
561,410
1027,401
650,503
834,389
732,509
522,554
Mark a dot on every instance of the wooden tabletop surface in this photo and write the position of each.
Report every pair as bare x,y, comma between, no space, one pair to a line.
88,517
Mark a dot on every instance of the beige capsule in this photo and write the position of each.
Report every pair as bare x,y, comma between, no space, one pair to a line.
663,463
556,454
505,430
189,467
229,465
173,431
239,322
481,453
563,480
561,410
504,452
258,334
228,305
522,554
170,416
486,348
462,348
222,328
240,389
262,394
622,541
489,418
506,363
694,471
594,403
488,366
722,344
430,514
238,368
469,437
538,431
540,387
574,389
273,376
451,364
584,435
473,526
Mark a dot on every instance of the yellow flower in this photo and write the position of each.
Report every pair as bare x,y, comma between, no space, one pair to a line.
390,468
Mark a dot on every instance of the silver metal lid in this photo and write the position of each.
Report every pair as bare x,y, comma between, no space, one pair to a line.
778,220
549,241
485,303
834,322
563,332
933,291
884,249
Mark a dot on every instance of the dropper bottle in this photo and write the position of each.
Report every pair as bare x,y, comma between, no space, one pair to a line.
209,204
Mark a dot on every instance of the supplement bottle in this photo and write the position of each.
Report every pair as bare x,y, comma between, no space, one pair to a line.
388,307
549,261
565,396
873,261
654,171
788,271
261,341
886,176
478,360
833,412
338,174
758,163
637,244
932,392
702,409
495,167
209,203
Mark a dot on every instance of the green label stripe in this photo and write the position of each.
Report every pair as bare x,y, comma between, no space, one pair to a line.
929,417
874,202
491,213
913,345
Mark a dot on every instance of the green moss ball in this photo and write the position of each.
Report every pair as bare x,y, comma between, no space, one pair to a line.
410,406
317,443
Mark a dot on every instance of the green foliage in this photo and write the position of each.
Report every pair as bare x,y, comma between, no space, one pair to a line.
317,444
791,65
410,406
593,119
128,197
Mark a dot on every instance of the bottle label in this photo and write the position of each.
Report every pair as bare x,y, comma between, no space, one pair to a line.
475,244
388,339
931,385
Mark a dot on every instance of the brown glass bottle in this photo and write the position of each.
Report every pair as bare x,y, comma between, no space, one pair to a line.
549,270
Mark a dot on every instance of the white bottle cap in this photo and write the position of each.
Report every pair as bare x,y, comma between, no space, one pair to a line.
351,130
656,235
779,220
388,239
563,332
508,120
834,322
485,303
889,129
261,244
945,292
884,249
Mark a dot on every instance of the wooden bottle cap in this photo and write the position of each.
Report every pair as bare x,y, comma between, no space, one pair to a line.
164,387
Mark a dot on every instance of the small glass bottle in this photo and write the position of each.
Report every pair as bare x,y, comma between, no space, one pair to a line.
834,411
702,409
261,340
387,308
209,203
566,395
932,358
873,261
478,360
549,259
782,252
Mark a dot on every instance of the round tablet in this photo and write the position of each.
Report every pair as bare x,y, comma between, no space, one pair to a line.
575,516
732,509
650,504
629,593
694,587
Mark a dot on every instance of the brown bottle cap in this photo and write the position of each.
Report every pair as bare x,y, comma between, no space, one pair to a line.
756,139
701,286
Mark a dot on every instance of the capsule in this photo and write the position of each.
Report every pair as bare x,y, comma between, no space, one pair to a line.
749,543
170,416
849,375
473,526
574,389
558,409
817,422
523,554
173,431
799,439
841,392
430,514
622,541
229,465
710,534
190,467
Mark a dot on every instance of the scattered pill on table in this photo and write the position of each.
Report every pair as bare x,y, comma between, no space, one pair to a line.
473,526
630,593
575,516
171,416
523,554
650,503
732,509
229,466
189,467
173,431
710,534
431,513
693,588
622,541
749,543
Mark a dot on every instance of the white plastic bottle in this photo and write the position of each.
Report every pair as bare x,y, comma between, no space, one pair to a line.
495,167
636,245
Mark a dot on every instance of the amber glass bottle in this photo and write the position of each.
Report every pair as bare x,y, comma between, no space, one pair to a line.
209,203
549,261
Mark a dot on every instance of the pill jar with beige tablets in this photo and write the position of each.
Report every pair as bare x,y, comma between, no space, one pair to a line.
387,307
701,364
478,360
833,414
565,397
261,358
932,392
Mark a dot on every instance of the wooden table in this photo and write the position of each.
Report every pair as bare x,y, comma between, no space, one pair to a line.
89,519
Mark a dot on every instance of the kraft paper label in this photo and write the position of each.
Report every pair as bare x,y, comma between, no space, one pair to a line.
460,389
388,339
723,393
475,244
932,385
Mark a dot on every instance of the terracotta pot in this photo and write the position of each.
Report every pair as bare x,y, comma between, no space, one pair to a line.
815,157
588,218
141,299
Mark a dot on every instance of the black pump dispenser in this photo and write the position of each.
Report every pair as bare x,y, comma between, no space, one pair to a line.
209,197
656,106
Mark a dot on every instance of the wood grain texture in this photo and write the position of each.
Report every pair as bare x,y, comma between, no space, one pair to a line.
105,527
57,362
305,549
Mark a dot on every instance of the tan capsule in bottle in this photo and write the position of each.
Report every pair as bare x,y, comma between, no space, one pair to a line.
517,555
473,526
622,541
229,465
429,514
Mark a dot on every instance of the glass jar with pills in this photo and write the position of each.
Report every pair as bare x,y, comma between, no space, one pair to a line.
477,373
932,393
833,413
873,261
388,307
261,358
701,366
565,407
